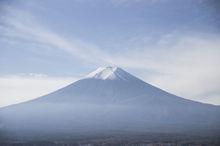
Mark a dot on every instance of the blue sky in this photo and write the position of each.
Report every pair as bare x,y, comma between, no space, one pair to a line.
172,44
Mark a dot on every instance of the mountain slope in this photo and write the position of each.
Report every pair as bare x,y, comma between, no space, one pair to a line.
110,99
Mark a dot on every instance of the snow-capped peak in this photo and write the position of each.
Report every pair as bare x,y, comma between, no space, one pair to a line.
103,73
110,72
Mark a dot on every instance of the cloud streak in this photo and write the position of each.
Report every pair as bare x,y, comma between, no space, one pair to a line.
21,27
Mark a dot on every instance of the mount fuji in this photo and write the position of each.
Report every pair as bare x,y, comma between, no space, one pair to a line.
109,100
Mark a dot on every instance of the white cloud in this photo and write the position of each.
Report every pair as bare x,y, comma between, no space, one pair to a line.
22,27
23,87
184,65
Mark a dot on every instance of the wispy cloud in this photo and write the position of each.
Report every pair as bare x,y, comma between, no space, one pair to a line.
22,27
187,65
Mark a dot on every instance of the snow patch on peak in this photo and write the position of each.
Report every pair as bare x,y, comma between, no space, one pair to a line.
109,73
103,73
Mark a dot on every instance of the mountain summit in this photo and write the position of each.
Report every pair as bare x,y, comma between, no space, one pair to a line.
110,100
104,73
110,73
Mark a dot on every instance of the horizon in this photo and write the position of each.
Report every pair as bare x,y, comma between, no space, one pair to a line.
46,45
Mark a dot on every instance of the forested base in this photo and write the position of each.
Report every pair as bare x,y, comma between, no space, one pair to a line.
120,140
